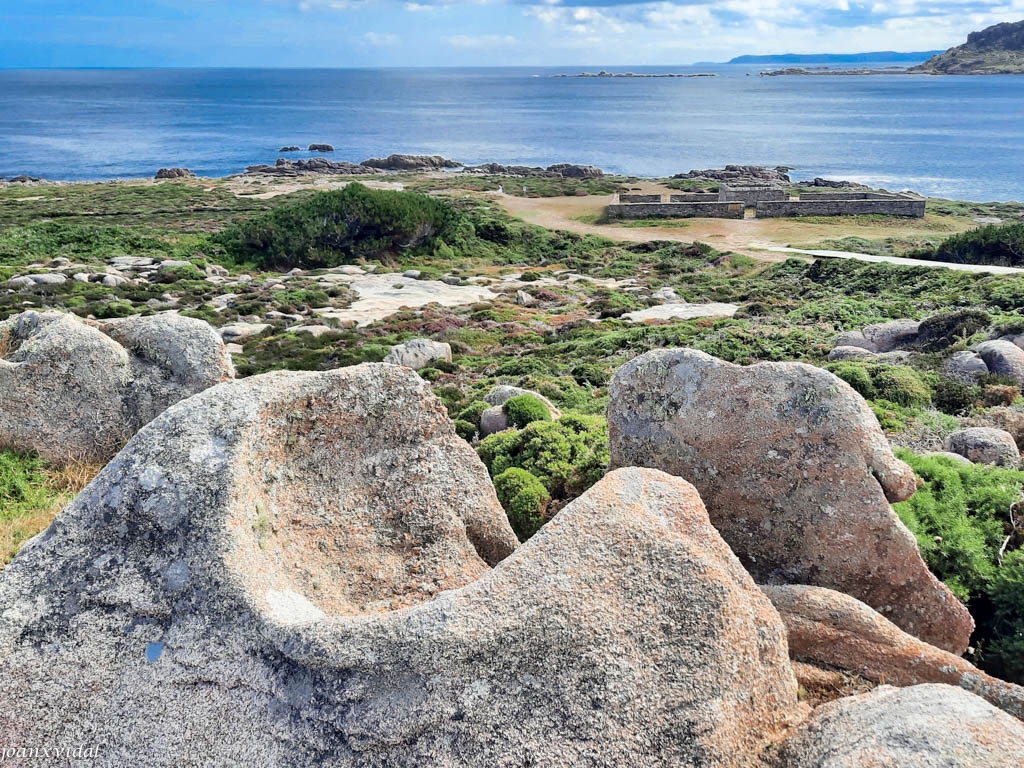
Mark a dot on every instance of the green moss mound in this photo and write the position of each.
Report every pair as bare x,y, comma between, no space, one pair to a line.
567,456
524,499
899,384
523,410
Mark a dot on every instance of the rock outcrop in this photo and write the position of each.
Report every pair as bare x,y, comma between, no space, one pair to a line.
74,391
965,367
917,727
829,628
321,148
313,165
174,173
995,50
563,170
796,475
984,445
294,567
411,163
748,174
1003,358
419,353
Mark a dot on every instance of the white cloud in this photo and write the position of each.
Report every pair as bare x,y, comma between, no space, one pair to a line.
482,41
380,40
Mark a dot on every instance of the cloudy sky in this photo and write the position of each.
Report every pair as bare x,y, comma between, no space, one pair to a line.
363,33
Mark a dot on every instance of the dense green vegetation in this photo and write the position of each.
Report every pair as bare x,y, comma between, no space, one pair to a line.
341,227
969,524
1000,244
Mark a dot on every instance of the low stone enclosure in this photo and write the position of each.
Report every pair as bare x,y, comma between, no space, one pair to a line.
768,202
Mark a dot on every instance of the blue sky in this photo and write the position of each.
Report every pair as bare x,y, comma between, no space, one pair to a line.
363,33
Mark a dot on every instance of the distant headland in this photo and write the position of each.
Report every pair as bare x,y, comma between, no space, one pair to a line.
996,50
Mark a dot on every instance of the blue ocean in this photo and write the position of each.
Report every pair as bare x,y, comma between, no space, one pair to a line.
960,137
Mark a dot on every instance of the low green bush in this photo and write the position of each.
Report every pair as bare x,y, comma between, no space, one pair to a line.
524,499
525,409
472,412
941,331
962,516
857,375
341,226
465,429
567,456
900,384
954,397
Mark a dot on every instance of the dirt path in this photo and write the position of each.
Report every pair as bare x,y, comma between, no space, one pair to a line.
763,239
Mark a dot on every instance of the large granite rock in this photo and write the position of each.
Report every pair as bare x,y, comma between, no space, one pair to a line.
1004,358
965,366
494,418
830,629
984,445
895,334
75,391
924,726
419,353
174,173
411,163
796,474
293,569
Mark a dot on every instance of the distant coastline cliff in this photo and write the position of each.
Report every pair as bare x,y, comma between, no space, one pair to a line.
997,50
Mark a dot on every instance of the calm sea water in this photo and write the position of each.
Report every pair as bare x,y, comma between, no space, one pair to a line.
955,136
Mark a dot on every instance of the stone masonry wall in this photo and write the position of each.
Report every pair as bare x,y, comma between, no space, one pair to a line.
694,197
676,210
893,206
750,195
639,198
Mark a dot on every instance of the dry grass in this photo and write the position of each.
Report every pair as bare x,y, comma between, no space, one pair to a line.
61,485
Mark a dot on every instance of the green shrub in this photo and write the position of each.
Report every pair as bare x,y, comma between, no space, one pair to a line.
524,499
857,375
1004,655
341,226
114,309
525,409
961,516
567,456
954,397
900,384
465,429
472,412
1001,244
175,274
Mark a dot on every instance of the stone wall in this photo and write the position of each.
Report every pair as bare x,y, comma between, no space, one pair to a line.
629,199
693,197
712,210
891,206
750,195
846,196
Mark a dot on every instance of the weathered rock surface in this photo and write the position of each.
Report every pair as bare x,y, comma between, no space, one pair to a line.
827,627
419,353
228,585
564,170
1004,358
174,173
291,148
847,352
753,174
681,311
411,163
854,339
796,474
313,165
965,367
984,445
172,357
321,148
923,726
895,334
74,391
